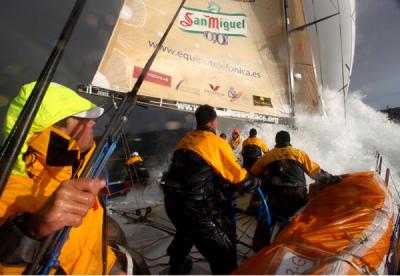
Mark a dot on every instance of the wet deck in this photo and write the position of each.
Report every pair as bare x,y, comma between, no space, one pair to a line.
151,236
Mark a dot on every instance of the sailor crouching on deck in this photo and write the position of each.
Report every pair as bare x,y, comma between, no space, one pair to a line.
136,167
284,182
42,195
252,149
200,158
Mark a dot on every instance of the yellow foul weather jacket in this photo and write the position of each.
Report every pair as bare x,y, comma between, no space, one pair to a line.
132,160
295,158
255,141
216,152
34,178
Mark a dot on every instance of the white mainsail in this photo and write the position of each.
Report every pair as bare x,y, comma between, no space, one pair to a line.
228,54
252,60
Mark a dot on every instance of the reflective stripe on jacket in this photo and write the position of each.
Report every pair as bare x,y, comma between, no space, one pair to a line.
216,152
82,253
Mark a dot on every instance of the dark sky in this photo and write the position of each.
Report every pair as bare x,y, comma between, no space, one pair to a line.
377,54
29,30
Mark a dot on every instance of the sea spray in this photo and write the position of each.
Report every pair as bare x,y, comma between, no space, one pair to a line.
339,144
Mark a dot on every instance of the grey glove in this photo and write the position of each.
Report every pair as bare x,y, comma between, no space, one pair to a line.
327,178
250,183
335,179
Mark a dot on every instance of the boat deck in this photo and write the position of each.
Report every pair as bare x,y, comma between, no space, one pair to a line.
151,234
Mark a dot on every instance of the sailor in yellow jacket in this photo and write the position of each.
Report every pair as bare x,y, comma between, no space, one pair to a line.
235,140
137,169
200,159
284,183
252,149
42,194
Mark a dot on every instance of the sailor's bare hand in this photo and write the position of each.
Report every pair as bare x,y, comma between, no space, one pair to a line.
67,206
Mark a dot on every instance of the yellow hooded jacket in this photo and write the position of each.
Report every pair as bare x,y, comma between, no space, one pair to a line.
132,160
33,180
216,152
287,153
255,141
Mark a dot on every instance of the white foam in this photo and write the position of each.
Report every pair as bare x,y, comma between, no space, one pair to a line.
339,145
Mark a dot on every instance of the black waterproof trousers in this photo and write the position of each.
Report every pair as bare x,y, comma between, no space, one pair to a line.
196,225
283,202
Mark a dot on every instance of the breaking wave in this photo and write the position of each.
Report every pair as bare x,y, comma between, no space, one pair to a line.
339,144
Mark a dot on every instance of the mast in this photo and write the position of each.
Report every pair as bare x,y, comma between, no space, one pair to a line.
289,59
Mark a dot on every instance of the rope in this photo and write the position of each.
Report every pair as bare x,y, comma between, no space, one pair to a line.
127,151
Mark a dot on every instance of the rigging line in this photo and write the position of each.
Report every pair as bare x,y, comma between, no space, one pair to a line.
244,232
343,88
394,184
155,258
142,248
107,143
127,104
301,28
318,49
333,4
127,148
341,54
304,64
247,253
289,61
13,144
17,136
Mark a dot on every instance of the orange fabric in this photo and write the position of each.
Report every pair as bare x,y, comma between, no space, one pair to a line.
82,253
344,229
255,141
290,153
216,152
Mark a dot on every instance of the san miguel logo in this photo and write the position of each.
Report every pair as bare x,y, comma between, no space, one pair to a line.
213,24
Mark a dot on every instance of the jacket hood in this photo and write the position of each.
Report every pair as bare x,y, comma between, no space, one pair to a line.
58,103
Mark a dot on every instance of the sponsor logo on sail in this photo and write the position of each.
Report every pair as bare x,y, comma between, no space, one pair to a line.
214,90
215,25
182,85
233,94
153,76
214,87
262,101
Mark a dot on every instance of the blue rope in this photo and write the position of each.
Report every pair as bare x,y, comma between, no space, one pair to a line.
264,207
62,236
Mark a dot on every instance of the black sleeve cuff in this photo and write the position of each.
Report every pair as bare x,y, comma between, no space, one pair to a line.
17,248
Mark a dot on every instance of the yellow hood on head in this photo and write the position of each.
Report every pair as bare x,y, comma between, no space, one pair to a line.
59,102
